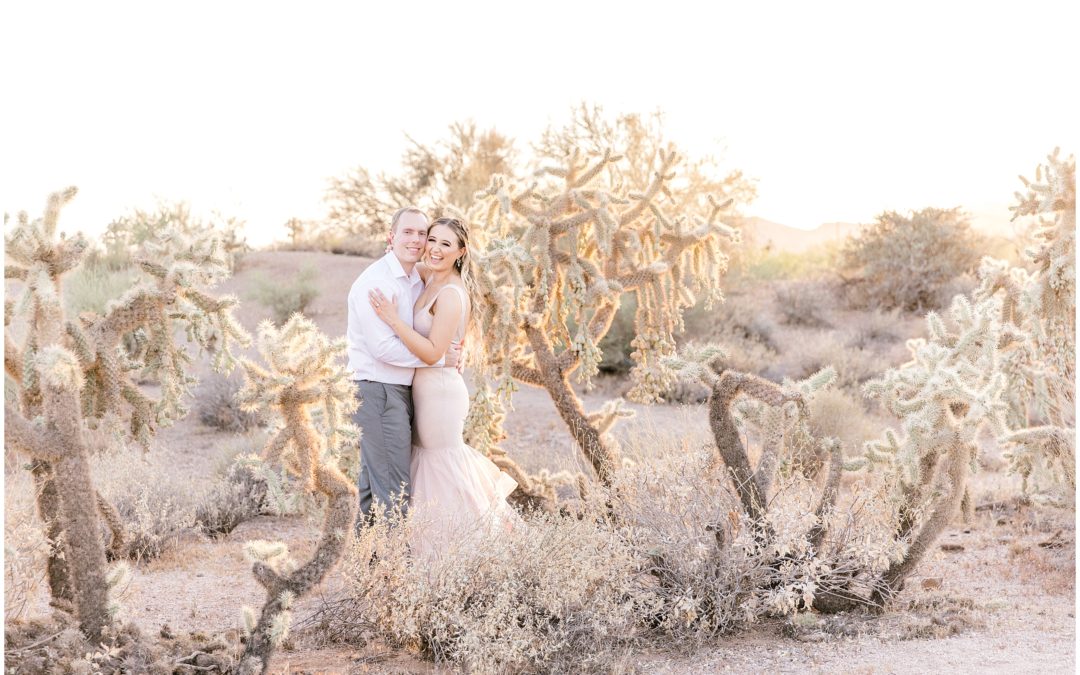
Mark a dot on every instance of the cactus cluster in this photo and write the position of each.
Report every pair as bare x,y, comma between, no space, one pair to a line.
302,374
560,253
75,380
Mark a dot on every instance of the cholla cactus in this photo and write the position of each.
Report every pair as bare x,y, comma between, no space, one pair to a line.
75,376
302,372
1040,310
777,415
951,389
558,256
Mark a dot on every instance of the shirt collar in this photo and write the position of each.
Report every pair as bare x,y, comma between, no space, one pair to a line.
398,271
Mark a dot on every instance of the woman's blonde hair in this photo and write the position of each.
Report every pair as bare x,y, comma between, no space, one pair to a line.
464,267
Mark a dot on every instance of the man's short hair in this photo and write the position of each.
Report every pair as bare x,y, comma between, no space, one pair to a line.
402,211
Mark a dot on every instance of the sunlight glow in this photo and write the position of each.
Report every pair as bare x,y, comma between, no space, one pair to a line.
840,110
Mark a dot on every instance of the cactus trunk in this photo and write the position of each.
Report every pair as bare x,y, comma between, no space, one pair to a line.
600,454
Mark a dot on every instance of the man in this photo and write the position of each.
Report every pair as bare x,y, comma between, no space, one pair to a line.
382,365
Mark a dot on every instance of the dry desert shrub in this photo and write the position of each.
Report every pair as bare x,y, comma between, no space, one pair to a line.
555,595
909,262
155,507
841,414
285,298
237,496
25,546
217,406
804,303
867,330
814,350
664,556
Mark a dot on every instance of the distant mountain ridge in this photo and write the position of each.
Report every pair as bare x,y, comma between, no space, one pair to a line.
761,232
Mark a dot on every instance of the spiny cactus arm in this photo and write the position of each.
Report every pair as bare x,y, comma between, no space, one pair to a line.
281,588
589,174
727,387
606,417
13,356
772,443
56,201
959,459
14,272
12,360
1056,445
527,374
829,492
668,159
139,307
276,445
24,435
112,518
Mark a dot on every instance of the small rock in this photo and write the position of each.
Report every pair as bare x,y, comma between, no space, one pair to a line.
166,632
952,548
931,583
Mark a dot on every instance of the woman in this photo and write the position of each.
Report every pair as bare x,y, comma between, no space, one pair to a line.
453,485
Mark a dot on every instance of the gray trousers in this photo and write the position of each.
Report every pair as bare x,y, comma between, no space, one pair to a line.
385,419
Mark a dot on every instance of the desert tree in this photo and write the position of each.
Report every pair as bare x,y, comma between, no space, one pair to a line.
301,375
76,389
447,173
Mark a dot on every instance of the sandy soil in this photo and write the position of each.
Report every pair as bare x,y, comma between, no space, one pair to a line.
1009,600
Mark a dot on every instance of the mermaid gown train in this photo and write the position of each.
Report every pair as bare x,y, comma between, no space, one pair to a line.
454,487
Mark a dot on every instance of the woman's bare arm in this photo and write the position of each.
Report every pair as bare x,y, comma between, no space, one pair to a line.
429,349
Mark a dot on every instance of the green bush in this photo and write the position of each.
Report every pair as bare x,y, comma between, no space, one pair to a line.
908,261
285,299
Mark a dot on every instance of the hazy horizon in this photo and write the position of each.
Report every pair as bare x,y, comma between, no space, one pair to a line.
840,111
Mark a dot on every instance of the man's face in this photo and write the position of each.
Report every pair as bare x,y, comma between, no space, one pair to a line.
409,237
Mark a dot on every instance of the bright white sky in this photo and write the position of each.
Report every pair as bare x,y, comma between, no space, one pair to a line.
840,110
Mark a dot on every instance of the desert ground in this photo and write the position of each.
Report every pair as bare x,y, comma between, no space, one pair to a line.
995,595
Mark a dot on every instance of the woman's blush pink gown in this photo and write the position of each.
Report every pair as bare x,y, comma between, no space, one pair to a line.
455,488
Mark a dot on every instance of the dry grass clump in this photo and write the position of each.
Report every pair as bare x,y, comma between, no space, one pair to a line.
804,303
25,545
90,287
155,507
217,406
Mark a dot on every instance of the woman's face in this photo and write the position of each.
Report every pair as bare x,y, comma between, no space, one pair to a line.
442,249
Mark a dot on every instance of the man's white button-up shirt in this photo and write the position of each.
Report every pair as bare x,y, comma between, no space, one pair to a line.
376,353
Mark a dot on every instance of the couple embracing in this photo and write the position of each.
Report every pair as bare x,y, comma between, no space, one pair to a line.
408,314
